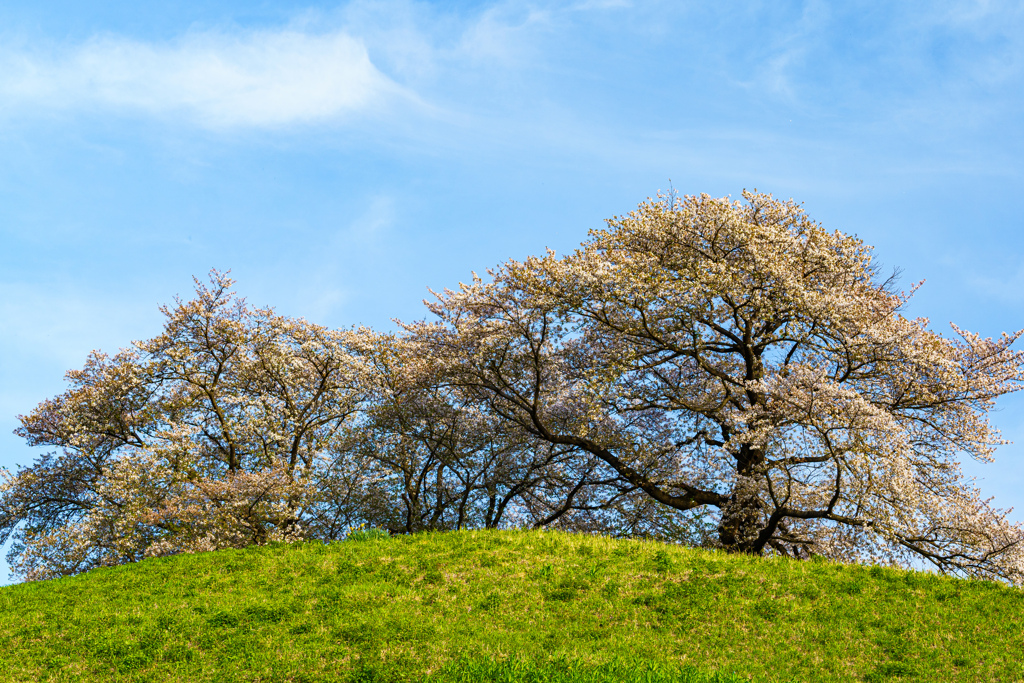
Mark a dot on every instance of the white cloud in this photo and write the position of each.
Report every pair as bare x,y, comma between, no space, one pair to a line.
257,79
502,34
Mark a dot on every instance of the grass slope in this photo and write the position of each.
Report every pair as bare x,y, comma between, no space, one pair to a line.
506,606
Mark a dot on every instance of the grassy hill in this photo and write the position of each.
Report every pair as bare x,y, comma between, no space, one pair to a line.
506,606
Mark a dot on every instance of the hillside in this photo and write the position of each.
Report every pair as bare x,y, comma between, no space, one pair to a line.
506,606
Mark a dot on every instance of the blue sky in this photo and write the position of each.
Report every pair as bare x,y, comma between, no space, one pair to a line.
341,158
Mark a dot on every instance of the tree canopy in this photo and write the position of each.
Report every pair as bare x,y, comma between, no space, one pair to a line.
736,361
714,372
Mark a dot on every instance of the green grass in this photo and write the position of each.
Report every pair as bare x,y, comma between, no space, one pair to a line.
506,606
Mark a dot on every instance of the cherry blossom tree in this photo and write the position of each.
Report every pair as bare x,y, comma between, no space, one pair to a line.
441,461
714,372
752,374
213,434
237,426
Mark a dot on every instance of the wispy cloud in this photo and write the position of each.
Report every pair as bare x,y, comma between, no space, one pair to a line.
501,35
255,79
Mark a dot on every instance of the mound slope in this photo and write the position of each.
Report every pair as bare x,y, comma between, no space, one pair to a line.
506,605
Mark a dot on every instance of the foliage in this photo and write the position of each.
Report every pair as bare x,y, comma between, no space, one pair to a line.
436,461
715,373
479,605
211,435
739,364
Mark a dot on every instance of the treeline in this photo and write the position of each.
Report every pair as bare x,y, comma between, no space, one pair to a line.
703,371
238,426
